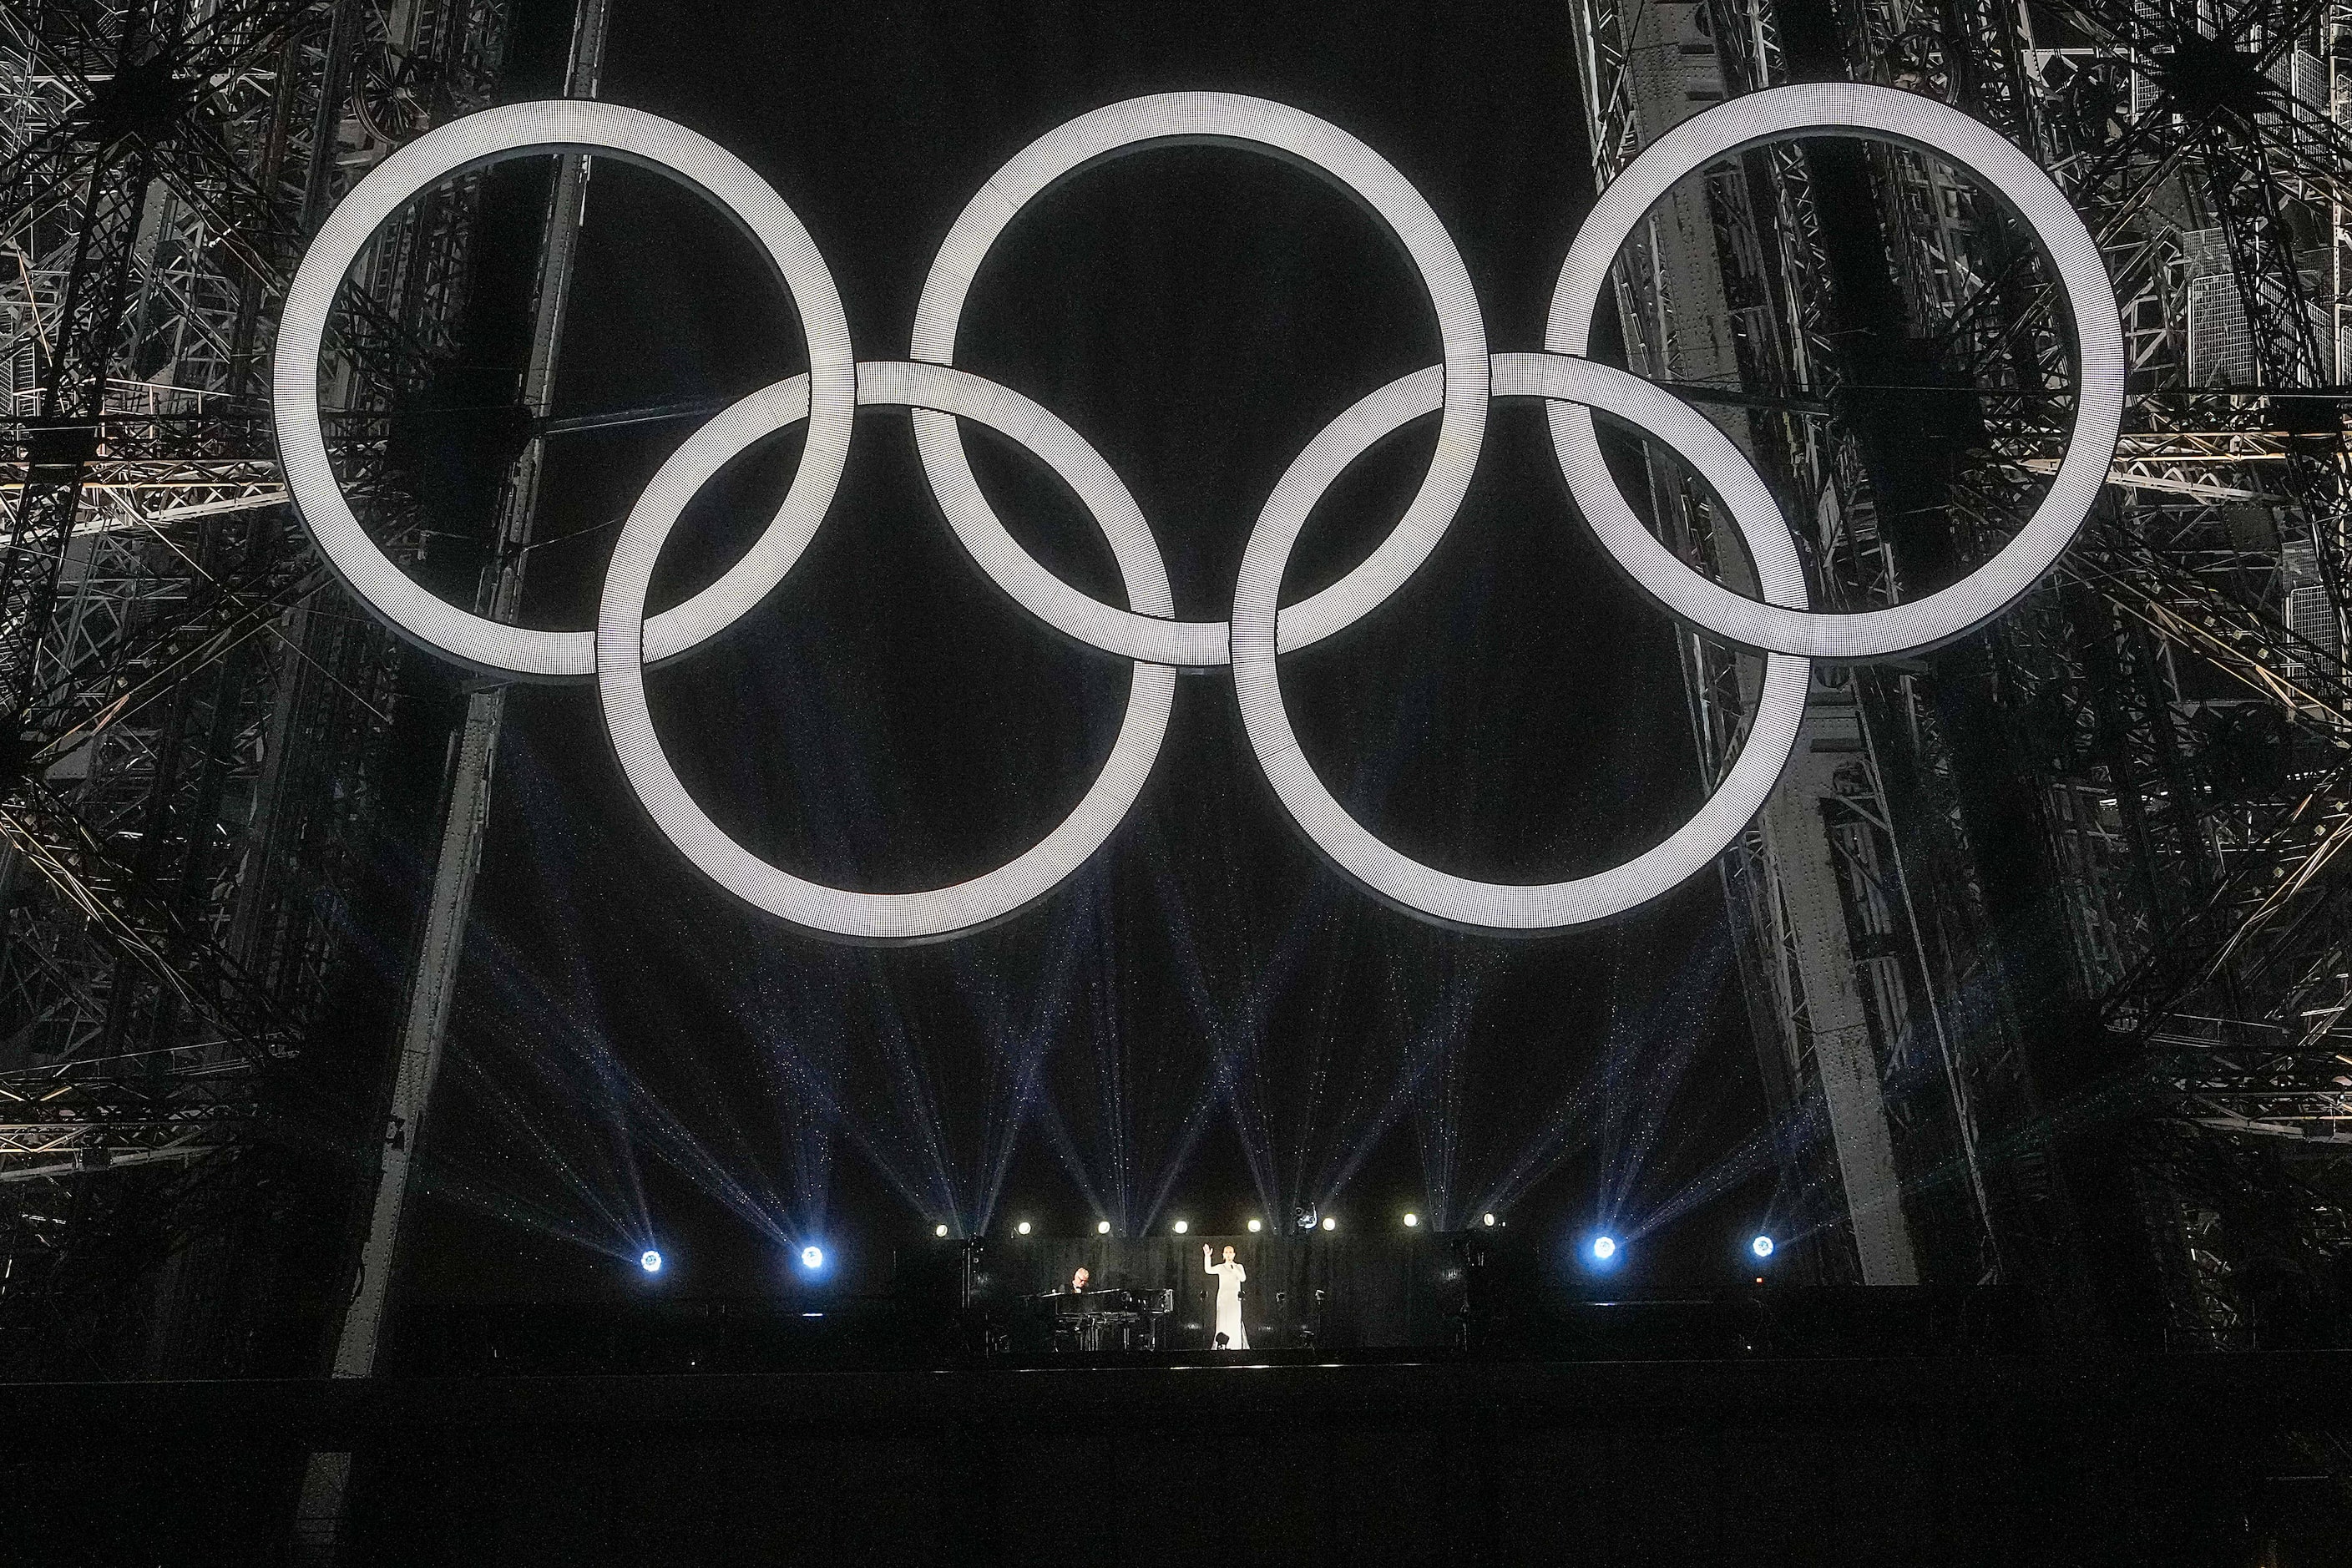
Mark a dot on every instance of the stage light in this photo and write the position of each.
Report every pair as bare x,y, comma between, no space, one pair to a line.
1023,1227
650,1262
812,1258
1256,1226
1330,1224
1182,1225
1604,1248
1412,1221
1102,1227
940,1231
1761,1247
1486,1220
1303,1216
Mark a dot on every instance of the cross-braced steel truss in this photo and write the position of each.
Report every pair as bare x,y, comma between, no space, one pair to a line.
188,711
2129,797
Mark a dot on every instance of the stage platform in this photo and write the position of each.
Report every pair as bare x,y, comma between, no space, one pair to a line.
1277,1457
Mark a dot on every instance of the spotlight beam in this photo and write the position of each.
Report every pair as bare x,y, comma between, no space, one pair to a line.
614,1086
835,795
837,799
1018,1052
557,870
1438,1040
1640,1081
1234,1038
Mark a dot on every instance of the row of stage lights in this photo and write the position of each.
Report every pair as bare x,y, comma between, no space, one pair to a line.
1306,1218
1603,1250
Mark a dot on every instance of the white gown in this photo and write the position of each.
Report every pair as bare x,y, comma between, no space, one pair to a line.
1229,1305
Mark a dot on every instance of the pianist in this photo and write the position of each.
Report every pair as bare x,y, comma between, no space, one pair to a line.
1079,1282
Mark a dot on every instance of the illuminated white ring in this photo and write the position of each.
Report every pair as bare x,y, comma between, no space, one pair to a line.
878,917
1925,126
493,136
1258,124
1498,906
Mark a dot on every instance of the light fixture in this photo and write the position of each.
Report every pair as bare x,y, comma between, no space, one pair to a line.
1102,1227
1330,1224
1303,1216
1256,1225
811,1257
1487,1220
1412,1221
1023,1227
1182,1225
1761,1247
940,1231
650,1262
1604,1248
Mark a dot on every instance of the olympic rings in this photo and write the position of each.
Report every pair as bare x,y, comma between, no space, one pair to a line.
1146,631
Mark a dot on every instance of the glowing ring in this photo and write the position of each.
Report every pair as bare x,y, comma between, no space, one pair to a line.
1258,124
495,136
880,917
1926,126
1498,906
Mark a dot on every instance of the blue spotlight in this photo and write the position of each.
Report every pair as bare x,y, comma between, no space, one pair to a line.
1605,1248
1761,1247
650,1262
812,1258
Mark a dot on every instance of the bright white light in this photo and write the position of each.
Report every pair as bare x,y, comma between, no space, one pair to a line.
1761,1247
1330,1225
811,1257
939,1230
1102,1227
1256,1226
650,1262
1604,1248
1023,1227
1487,1219
1412,1221
1182,1225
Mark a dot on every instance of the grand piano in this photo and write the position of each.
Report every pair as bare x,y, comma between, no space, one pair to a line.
1112,1319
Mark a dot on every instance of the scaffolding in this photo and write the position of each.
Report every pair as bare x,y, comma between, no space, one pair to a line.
189,711
2117,1015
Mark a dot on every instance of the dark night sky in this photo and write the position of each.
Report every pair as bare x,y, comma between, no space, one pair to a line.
888,721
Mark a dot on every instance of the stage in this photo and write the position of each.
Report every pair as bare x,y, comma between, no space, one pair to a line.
1278,1456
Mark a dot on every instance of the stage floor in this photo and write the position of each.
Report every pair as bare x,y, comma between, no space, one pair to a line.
1262,1458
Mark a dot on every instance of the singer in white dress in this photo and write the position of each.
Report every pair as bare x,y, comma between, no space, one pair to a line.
1230,1275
